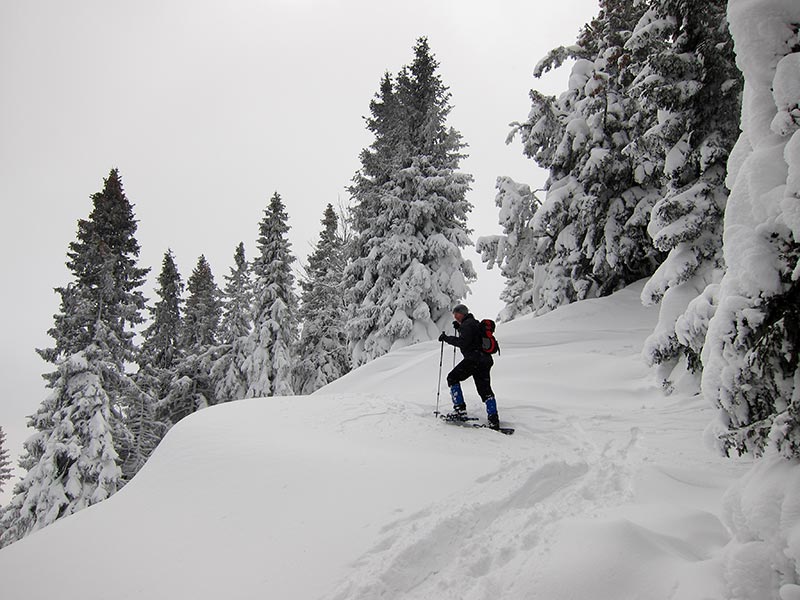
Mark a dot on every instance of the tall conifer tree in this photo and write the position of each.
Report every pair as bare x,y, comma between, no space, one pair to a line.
270,365
192,386
237,319
237,324
690,77
322,351
162,347
751,356
590,234
410,216
203,310
73,460
512,252
161,353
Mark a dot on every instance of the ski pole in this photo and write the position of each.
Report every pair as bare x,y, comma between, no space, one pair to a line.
439,384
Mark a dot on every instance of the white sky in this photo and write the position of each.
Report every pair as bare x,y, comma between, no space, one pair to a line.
207,108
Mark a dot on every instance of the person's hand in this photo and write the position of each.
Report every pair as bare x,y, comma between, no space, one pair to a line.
456,325
443,337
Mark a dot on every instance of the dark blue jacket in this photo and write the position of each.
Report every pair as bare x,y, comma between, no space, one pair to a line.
470,336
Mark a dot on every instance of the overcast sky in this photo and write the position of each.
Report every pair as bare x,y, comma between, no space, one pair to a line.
207,108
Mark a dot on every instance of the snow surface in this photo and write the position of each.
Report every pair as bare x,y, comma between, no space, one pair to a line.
606,491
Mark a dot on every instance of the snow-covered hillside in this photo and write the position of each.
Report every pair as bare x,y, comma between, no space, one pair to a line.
606,491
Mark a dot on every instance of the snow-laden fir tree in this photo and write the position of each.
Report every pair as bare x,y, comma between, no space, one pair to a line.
5,461
511,252
192,386
269,366
752,350
237,323
322,351
590,233
409,217
691,78
203,312
162,348
73,459
160,354
237,319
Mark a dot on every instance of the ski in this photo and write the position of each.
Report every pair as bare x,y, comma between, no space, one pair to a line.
472,422
454,418
503,430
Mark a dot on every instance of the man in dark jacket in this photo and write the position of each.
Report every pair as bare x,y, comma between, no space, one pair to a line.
476,364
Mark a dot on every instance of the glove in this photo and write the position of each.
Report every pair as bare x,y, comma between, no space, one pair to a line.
443,337
456,325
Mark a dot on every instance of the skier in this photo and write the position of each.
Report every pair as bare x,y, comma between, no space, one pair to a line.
476,364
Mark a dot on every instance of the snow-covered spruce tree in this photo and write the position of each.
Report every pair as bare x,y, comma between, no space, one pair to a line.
322,352
203,312
690,76
512,251
73,460
160,354
269,366
237,323
752,350
161,348
409,217
5,462
590,234
237,320
192,386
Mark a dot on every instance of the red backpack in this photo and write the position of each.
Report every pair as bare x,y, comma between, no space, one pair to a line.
488,341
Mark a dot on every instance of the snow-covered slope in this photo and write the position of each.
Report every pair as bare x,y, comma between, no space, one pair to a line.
606,490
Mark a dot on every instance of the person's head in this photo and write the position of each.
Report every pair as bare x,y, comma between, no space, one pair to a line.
459,312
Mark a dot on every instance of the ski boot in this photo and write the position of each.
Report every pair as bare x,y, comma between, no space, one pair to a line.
459,412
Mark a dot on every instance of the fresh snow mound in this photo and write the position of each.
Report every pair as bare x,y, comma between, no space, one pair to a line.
606,490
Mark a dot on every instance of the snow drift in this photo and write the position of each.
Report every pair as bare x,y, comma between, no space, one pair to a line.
606,490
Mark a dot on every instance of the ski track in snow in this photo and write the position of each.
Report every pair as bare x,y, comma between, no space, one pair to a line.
466,546
498,537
